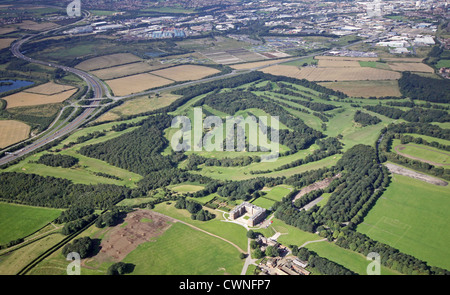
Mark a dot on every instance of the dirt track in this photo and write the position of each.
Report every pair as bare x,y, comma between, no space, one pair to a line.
315,186
416,175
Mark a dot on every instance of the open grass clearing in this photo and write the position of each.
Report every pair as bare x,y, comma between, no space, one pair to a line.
107,61
6,42
12,132
227,230
182,250
186,188
138,106
242,173
412,216
123,70
422,153
332,74
83,173
411,67
136,83
22,99
19,221
12,263
49,88
185,72
365,88
354,261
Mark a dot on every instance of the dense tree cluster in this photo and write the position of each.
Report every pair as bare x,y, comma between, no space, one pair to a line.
83,246
413,115
365,119
196,210
120,268
241,189
194,160
138,151
362,177
360,185
424,88
110,218
73,213
58,160
78,224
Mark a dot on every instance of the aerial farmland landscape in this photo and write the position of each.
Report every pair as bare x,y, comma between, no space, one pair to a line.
187,139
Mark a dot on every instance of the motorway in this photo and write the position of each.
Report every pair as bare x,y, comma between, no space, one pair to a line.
93,83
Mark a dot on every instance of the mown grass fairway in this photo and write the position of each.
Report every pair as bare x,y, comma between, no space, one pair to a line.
182,250
18,221
412,216
241,173
354,261
422,153
186,188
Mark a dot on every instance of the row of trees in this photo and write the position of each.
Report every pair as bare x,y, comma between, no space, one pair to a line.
354,192
413,115
45,191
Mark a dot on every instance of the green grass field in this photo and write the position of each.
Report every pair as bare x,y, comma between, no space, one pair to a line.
230,231
272,195
82,173
186,188
429,138
423,152
182,250
18,221
412,216
241,173
354,261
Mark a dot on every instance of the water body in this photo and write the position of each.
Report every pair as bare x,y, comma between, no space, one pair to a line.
15,84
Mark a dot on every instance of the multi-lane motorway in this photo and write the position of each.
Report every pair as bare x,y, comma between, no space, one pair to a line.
93,83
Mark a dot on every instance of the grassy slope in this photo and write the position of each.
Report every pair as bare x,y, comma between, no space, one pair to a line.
412,216
183,250
18,221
